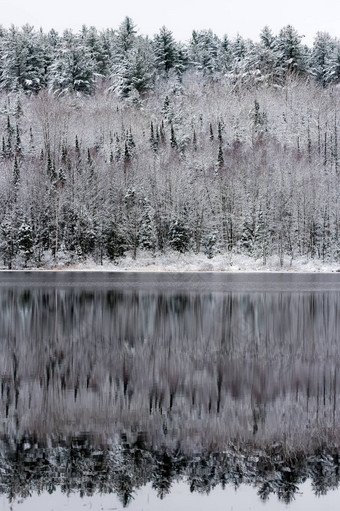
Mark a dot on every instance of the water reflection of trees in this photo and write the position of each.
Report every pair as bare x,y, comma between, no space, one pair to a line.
79,465
198,373
211,366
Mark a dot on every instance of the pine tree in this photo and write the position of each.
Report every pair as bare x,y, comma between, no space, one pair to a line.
239,48
147,228
118,149
162,136
126,37
173,140
98,49
8,241
3,148
165,50
114,242
10,131
18,109
248,231
211,133
23,60
225,54
323,49
61,177
154,139
25,241
333,66
194,141
50,168
179,236
267,38
203,51
219,132
78,159
290,53
130,141
166,107
261,235
133,75
220,157
209,243
259,118
18,142
127,154
16,173
73,69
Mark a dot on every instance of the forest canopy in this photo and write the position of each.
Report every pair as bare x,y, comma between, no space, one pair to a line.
131,64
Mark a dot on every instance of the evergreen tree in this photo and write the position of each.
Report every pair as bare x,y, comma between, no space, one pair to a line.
126,37
239,48
194,141
209,244
179,236
16,173
333,66
25,241
23,60
154,139
9,132
225,54
134,74
322,51
18,142
173,140
165,50
147,228
211,132
73,69
98,49
248,231
220,128
203,51
8,242
259,118
290,53
3,148
220,157
267,38
114,242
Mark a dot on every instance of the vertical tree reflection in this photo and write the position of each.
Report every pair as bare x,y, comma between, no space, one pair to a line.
106,390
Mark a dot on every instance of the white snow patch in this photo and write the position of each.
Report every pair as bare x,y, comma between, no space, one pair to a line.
190,262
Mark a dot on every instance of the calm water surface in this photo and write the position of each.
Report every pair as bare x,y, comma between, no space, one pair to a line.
153,389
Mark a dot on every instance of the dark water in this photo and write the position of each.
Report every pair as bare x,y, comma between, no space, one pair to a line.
111,382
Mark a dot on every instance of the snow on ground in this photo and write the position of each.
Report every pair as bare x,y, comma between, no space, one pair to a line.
176,262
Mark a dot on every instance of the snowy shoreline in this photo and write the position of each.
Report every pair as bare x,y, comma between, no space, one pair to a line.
183,263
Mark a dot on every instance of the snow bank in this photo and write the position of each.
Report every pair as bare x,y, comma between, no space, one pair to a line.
189,262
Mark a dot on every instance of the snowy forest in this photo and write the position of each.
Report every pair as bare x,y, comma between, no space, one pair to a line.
115,143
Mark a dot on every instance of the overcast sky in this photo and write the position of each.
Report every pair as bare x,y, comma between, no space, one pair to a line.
246,17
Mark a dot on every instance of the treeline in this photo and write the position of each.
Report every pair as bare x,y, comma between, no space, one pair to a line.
131,64
192,159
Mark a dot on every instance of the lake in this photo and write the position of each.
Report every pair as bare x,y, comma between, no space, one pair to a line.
155,391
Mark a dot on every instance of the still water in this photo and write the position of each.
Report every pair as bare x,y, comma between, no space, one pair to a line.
147,390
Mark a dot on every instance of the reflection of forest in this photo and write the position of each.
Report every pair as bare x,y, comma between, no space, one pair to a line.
78,465
201,369
212,379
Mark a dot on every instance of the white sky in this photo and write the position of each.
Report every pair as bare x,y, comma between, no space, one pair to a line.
246,17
